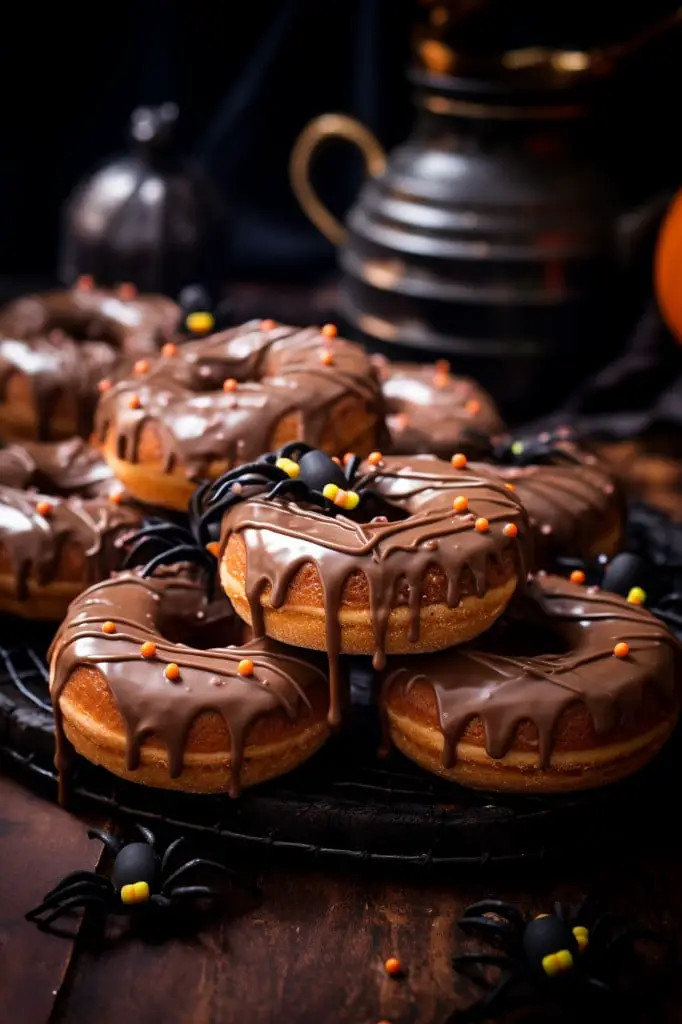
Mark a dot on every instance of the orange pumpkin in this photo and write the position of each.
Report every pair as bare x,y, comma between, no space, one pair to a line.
668,268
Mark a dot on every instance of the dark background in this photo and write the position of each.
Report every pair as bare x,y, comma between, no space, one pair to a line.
247,78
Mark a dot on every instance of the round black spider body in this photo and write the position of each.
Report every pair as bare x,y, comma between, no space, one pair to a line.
317,470
136,862
624,572
549,945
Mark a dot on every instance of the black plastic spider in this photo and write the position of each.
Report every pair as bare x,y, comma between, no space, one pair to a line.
545,447
552,954
302,474
141,881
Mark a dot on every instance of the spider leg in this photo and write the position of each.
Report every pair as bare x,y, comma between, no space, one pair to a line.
598,986
351,468
498,907
77,876
194,892
146,834
59,898
299,448
112,843
492,1002
71,904
177,554
462,961
203,863
295,488
169,853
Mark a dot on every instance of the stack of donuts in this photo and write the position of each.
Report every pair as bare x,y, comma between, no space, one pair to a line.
280,504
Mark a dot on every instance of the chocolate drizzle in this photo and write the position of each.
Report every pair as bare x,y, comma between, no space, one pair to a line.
66,467
278,372
477,681
35,544
395,556
148,702
65,342
570,498
431,411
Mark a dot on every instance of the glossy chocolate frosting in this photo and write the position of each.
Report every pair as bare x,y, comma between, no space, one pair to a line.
278,371
424,535
34,542
64,467
570,501
65,342
430,411
149,703
503,690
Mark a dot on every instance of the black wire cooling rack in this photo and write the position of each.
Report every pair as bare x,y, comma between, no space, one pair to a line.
345,803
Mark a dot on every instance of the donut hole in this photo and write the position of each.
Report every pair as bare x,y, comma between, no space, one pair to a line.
83,328
517,638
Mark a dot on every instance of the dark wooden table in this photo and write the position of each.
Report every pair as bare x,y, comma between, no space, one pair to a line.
312,951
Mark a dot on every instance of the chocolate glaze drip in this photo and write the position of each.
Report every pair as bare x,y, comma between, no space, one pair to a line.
279,372
34,543
149,703
569,502
431,411
395,556
66,467
478,681
65,342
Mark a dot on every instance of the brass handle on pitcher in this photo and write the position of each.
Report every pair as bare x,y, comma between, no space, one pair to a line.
330,126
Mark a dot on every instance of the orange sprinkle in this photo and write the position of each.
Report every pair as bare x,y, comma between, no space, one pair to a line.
141,366
472,407
393,966
510,487
169,350
347,457
127,290
109,627
213,547
85,283
511,530
374,458
621,650
172,671
330,330
230,384
459,461
44,508
577,576
460,504
267,325
326,358
134,402
148,649
441,380
103,385
116,497
245,667
442,366
482,525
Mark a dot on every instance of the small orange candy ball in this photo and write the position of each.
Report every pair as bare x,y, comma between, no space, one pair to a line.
330,330
109,627
245,667
44,509
460,504
141,366
473,407
482,525
169,350
374,458
127,291
148,649
326,358
103,385
577,576
511,530
134,402
267,325
442,366
510,487
213,547
85,283
116,497
172,671
230,384
393,966
621,650
459,460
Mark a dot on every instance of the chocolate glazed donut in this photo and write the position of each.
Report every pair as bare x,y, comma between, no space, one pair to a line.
127,695
217,403
435,570
63,467
56,347
594,700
